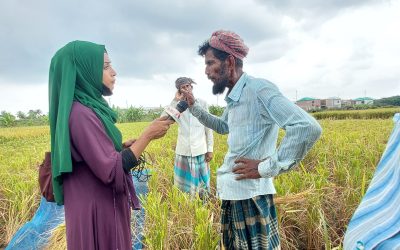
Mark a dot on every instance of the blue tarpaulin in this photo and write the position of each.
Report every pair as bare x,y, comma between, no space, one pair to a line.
376,222
36,233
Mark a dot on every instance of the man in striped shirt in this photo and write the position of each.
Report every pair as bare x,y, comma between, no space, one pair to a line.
255,111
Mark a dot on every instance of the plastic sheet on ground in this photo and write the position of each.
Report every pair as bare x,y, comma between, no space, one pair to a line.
36,233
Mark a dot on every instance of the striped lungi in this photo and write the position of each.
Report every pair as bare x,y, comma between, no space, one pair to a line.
249,224
192,174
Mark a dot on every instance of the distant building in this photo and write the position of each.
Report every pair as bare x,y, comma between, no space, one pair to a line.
348,103
364,100
309,103
331,102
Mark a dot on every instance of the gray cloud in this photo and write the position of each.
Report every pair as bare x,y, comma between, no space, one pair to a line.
144,39
159,40
312,13
311,9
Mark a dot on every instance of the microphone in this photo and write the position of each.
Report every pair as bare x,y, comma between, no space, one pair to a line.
181,106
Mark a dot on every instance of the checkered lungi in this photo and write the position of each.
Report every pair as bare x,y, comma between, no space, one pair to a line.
192,174
249,224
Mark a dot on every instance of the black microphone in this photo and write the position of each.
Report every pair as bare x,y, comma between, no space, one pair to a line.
181,106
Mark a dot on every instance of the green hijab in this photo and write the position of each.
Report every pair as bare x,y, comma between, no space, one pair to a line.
76,74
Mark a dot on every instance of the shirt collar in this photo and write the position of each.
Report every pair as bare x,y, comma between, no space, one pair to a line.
237,90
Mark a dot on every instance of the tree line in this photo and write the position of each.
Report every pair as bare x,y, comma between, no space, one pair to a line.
388,101
131,114
140,114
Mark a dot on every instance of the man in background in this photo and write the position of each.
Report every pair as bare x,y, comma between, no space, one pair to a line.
194,147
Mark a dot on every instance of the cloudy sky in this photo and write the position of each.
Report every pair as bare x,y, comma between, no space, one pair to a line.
313,48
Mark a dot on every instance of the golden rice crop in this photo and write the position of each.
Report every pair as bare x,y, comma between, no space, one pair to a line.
380,113
315,201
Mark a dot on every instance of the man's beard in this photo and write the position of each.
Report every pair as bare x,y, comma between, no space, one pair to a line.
106,91
220,85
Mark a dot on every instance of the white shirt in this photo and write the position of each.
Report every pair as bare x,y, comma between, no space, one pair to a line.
193,137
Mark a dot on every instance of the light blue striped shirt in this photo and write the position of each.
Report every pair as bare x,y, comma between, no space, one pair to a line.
255,110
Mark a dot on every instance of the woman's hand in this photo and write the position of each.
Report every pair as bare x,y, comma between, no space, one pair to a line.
158,128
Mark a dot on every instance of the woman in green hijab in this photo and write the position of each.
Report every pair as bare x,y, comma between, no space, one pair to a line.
90,166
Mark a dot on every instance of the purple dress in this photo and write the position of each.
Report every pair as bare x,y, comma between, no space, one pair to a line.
98,193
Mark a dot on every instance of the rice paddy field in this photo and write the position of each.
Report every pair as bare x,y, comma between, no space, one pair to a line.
315,201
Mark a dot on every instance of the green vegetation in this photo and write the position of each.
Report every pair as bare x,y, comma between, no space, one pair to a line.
36,118
32,118
216,110
382,109
315,201
388,101
378,113
133,114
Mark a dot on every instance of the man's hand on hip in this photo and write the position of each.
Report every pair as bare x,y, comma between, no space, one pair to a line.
246,169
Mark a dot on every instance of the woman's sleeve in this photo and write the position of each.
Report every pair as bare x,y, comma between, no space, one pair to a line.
92,144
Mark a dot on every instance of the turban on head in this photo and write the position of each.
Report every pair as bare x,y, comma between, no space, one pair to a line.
229,42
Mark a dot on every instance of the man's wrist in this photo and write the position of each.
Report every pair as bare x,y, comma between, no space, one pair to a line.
264,168
195,109
268,168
